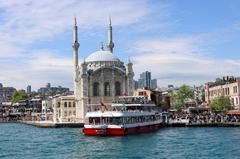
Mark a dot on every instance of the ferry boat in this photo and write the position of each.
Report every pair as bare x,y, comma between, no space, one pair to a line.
128,115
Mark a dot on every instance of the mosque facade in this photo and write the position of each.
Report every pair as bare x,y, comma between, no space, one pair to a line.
101,78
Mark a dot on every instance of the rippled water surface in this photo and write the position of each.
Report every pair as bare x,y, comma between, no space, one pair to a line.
22,141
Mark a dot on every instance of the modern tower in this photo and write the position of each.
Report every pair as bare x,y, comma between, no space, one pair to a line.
145,80
29,90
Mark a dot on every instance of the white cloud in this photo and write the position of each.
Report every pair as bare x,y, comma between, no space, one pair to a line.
42,67
180,60
25,22
184,45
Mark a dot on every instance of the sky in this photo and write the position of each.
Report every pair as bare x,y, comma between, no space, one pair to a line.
179,41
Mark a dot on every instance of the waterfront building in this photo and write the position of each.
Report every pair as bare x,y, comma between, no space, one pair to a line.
227,86
29,89
36,105
48,90
199,94
6,93
30,105
157,96
47,106
64,109
22,105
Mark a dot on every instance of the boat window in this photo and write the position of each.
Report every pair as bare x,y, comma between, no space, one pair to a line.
95,120
115,121
90,120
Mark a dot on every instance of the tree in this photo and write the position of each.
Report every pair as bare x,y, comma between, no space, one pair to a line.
221,103
18,95
181,96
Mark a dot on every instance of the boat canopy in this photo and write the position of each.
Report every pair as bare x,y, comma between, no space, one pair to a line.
118,113
133,101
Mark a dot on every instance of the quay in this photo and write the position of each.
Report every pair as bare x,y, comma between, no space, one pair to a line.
219,124
45,124
49,124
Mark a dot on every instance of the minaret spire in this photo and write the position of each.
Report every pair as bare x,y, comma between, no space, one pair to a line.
75,55
102,47
75,43
110,44
75,21
75,36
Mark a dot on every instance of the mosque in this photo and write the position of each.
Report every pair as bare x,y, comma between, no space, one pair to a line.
101,78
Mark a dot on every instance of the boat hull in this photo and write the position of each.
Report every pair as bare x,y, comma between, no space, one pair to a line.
121,131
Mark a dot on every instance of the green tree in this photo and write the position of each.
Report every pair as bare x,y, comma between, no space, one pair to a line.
18,95
221,103
181,96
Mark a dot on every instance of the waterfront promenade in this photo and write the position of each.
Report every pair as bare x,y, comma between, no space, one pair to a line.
176,123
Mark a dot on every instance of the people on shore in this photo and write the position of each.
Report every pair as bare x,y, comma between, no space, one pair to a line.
205,118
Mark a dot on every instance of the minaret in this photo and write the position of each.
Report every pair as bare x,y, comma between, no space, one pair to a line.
110,44
102,47
130,75
75,52
75,43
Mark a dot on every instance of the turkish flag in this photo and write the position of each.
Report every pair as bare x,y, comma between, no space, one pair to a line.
125,94
103,104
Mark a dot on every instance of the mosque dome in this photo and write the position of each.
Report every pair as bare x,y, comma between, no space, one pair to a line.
101,55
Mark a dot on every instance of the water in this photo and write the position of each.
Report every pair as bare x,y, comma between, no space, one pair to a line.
19,141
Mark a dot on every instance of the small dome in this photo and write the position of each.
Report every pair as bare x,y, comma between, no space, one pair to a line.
102,55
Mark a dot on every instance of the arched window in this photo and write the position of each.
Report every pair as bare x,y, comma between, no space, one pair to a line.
117,88
65,104
74,105
95,89
69,104
106,89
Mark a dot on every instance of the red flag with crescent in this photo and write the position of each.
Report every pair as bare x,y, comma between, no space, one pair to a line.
125,94
145,93
103,105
